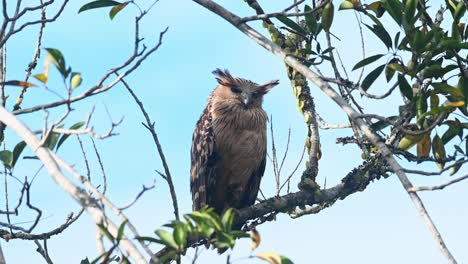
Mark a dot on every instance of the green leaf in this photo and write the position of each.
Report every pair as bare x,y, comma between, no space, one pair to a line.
327,16
167,238
371,77
58,60
6,157
433,71
394,8
120,232
346,5
311,21
75,80
106,232
367,61
418,41
463,87
382,34
459,12
404,86
51,141
98,4
410,9
180,236
116,9
291,24
452,132
17,152
227,219
65,136
445,88
456,166
438,150
436,110
285,260
41,77
85,261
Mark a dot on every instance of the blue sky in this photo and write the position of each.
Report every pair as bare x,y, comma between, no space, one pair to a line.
378,225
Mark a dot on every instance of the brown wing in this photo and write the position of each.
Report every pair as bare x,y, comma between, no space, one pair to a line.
202,160
254,184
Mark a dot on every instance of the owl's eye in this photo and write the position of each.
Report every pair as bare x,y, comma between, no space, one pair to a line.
236,89
256,93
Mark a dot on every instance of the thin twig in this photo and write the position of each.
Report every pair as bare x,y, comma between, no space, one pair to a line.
150,126
438,187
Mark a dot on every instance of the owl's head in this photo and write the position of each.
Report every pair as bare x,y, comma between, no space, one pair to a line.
243,91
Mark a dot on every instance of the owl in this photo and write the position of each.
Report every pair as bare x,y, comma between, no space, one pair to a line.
229,145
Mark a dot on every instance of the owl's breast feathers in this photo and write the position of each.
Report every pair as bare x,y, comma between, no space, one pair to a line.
228,155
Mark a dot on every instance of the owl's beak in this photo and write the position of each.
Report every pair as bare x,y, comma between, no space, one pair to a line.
245,99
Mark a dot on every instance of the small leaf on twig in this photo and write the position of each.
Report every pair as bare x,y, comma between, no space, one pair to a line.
116,9
98,4
19,83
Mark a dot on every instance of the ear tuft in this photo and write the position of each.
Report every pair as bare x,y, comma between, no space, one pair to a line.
224,77
267,87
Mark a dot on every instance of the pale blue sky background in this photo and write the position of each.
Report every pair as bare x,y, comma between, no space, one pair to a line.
379,225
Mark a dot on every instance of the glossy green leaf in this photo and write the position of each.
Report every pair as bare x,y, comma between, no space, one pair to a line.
180,236
227,219
167,238
394,8
382,34
404,86
116,9
367,61
371,77
291,24
17,152
98,4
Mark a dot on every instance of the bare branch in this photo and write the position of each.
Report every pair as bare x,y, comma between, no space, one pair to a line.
438,187
150,126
